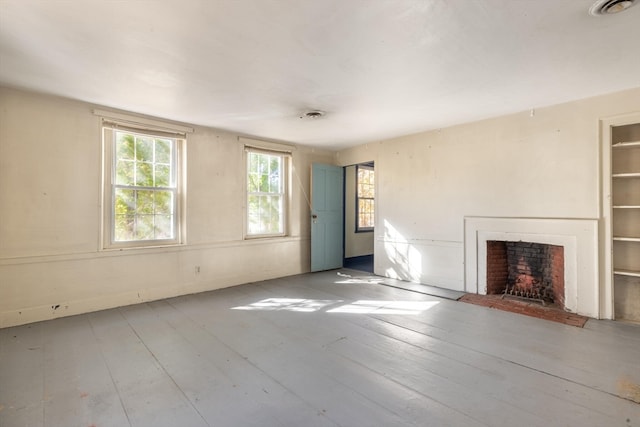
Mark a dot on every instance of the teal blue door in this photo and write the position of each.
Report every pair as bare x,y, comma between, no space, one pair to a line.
326,217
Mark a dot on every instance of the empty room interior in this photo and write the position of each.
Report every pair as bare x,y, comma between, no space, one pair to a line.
319,213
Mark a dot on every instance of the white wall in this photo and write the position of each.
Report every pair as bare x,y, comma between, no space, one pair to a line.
355,244
546,165
50,210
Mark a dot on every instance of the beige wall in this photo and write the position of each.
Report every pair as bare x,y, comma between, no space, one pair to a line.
546,165
50,210
355,244
543,165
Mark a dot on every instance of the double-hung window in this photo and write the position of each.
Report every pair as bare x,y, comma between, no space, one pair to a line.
267,192
142,187
365,198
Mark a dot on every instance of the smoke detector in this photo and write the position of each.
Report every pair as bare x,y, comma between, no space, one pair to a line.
609,7
312,114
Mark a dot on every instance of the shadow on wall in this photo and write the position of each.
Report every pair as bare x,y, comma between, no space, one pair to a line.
406,261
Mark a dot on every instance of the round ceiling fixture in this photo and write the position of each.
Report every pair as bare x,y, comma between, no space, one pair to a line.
609,7
313,114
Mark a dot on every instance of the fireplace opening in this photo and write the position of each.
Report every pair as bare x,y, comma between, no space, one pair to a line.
526,270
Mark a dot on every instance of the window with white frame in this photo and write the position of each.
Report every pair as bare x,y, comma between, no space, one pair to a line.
142,187
365,197
266,192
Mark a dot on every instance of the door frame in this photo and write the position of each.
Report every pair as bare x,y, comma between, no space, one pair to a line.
350,219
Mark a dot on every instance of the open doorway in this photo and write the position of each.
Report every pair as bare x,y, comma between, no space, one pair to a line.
359,216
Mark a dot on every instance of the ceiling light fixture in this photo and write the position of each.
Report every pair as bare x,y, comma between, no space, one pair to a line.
609,7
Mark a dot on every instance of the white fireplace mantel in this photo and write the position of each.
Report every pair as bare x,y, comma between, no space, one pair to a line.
579,237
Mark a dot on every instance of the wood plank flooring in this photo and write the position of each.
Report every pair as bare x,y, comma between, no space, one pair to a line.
320,349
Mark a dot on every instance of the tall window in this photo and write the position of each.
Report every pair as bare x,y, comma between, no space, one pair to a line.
141,188
365,198
266,192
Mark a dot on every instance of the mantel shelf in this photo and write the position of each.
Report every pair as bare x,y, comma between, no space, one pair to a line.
626,239
629,144
626,175
632,273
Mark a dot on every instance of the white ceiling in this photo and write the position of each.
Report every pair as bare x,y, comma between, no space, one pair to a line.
379,68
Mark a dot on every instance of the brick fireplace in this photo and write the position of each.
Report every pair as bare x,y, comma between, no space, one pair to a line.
578,239
528,270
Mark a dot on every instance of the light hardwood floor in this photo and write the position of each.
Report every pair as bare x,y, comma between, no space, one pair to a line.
319,349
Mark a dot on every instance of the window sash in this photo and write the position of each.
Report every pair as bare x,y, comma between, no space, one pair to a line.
266,192
150,214
365,199
140,219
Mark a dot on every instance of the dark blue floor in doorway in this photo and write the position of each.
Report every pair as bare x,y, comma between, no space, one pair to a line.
360,263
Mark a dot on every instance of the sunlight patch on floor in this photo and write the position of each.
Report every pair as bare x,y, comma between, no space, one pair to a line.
348,278
385,307
356,307
288,304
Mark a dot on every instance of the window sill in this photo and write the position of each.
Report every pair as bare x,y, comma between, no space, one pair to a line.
141,247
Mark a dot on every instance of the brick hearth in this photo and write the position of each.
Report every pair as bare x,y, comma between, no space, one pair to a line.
527,308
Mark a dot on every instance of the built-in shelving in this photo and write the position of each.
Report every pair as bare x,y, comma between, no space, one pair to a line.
630,273
625,171
626,175
630,144
626,239
620,157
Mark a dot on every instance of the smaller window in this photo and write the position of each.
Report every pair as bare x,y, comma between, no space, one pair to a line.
266,193
365,198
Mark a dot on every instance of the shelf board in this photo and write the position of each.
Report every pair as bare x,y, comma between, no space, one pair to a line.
626,175
626,239
626,207
633,273
628,144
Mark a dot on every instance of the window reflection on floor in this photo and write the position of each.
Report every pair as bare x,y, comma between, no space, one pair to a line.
340,306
